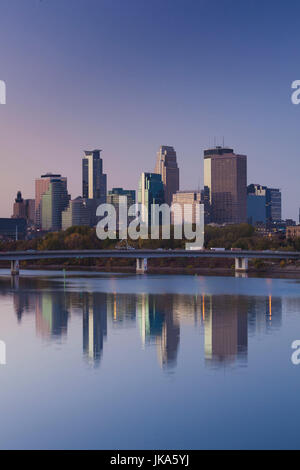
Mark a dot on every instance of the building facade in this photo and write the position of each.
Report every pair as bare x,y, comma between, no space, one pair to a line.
94,181
225,177
292,232
273,205
77,213
150,191
256,204
120,197
54,201
24,208
41,187
186,207
166,166
263,205
14,228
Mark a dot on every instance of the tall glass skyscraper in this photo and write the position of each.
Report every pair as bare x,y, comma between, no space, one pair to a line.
41,187
166,166
93,179
150,191
225,177
54,202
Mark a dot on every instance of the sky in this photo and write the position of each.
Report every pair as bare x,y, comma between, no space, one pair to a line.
127,76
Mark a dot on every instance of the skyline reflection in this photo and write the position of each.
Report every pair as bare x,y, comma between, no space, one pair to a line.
223,321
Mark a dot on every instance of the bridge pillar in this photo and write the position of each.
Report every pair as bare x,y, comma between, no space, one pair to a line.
14,267
141,265
241,264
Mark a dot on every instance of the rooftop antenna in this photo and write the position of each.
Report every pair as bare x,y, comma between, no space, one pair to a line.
223,141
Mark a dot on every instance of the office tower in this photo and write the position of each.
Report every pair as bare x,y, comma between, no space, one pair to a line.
19,210
225,176
77,213
24,208
54,201
187,207
206,204
93,178
263,205
119,198
273,205
256,204
30,210
166,166
150,191
41,186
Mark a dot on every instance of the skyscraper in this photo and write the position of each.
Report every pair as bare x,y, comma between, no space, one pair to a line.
256,204
187,207
273,205
225,176
24,208
54,201
41,186
263,204
120,197
151,191
93,179
19,210
166,166
77,213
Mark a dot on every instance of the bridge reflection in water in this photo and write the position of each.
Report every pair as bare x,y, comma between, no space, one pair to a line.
223,322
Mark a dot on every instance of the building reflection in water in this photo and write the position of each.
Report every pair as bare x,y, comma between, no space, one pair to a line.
158,324
94,325
225,320
226,332
51,314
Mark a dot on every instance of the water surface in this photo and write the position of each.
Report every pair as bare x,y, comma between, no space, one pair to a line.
150,361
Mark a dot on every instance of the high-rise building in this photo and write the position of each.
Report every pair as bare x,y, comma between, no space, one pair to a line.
150,191
273,204
41,186
54,202
119,197
187,207
166,166
263,204
19,210
24,208
77,213
225,176
256,204
93,179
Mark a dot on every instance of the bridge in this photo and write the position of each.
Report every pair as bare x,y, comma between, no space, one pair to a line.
241,257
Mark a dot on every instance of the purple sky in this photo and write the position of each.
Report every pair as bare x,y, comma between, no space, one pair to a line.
130,75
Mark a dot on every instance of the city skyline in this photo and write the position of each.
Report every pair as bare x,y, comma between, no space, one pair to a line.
56,109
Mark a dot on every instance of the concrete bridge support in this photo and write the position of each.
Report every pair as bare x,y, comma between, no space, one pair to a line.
241,264
14,268
141,265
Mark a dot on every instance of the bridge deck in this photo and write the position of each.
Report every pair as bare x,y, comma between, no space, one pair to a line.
35,255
